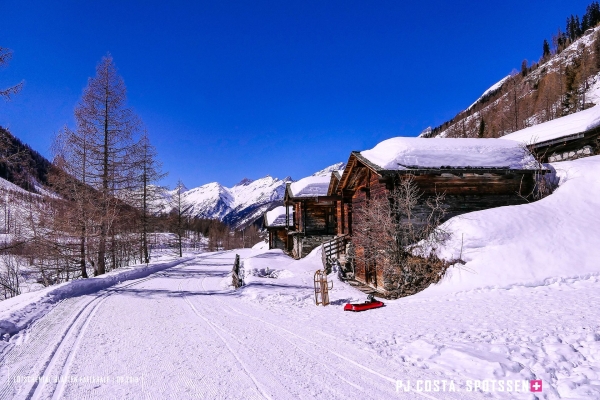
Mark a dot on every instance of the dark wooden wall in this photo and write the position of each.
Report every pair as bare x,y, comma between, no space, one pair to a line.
315,218
464,192
278,239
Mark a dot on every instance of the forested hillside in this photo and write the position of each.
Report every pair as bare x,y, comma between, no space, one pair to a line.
20,164
563,81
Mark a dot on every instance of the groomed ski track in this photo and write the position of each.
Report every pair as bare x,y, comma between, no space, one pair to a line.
181,333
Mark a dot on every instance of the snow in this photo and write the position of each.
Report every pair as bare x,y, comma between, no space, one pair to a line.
523,307
534,244
569,125
241,204
338,167
425,133
493,88
311,186
18,312
276,216
401,153
261,246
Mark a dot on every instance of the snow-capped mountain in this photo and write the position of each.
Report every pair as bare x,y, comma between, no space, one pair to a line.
241,204
327,171
208,201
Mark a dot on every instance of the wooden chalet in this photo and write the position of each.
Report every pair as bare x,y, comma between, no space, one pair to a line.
562,139
275,224
311,217
474,174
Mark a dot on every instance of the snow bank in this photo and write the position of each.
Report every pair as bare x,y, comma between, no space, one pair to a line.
532,244
18,312
262,245
557,128
276,217
400,153
311,186
274,279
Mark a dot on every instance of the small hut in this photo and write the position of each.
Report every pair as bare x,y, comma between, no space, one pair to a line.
562,139
473,174
275,224
311,218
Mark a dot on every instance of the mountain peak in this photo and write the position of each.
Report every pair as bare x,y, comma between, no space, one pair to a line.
244,182
327,171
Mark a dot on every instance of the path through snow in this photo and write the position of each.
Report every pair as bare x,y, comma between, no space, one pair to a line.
183,333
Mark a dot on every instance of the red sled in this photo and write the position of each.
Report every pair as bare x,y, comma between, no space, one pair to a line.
364,306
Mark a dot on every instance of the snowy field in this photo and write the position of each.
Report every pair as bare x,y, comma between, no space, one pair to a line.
525,306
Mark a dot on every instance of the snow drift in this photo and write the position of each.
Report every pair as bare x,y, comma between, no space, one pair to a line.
532,244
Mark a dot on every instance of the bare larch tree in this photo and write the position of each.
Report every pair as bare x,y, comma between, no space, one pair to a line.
102,116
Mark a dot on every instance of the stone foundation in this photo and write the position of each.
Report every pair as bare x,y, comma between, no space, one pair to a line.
305,244
572,155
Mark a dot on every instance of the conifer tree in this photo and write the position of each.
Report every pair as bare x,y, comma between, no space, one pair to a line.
546,49
524,68
481,128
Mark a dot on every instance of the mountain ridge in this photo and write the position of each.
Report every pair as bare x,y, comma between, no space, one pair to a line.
244,203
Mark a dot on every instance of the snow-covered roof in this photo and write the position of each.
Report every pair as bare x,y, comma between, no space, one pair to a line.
276,217
311,186
403,153
571,124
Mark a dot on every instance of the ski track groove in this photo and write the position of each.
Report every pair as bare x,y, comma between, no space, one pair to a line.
310,356
340,356
62,345
242,364
37,389
43,333
65,342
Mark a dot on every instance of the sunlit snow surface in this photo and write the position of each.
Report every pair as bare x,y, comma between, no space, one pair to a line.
402,153
311,186
571,124
526,305
277,216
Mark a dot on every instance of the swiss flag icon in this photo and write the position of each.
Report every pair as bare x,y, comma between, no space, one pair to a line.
535,386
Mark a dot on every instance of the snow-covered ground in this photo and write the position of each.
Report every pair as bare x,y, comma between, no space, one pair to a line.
525,306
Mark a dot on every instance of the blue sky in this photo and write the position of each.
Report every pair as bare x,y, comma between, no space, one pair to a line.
234,89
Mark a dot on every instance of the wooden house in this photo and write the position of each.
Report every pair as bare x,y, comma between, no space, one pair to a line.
275,223
473,174
562,139
311,218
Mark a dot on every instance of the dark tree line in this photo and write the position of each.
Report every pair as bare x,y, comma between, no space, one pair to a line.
574,29
20,164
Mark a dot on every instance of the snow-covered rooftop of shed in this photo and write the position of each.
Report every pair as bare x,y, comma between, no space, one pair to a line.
557,128
403,153
311,186
276,217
